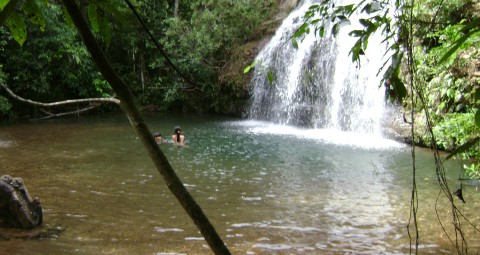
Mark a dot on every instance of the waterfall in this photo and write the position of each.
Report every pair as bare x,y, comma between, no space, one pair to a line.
317,85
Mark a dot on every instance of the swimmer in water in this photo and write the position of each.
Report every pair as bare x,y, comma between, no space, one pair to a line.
177,137
158,138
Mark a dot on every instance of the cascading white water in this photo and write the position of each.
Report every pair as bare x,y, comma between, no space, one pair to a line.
317,85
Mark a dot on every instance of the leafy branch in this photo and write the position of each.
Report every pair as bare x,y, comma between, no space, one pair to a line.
376,17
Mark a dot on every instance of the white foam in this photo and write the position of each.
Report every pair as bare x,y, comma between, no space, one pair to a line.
330,136
164,230
274,247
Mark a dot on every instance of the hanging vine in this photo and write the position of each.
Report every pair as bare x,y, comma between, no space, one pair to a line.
411,72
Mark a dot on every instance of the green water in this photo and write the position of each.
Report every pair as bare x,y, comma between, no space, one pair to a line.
267,189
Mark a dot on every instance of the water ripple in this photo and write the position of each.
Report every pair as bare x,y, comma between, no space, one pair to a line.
273,247
268,226
165,230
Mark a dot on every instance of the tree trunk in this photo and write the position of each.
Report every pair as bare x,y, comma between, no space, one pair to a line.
127,104
175,10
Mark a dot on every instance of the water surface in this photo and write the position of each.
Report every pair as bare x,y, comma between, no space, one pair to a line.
267,189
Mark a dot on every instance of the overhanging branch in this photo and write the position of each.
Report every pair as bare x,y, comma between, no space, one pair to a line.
72,101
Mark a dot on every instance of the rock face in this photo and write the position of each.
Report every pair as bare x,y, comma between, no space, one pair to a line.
233,82
17,208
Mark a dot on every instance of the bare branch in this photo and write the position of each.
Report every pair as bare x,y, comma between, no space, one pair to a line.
53,115
72,101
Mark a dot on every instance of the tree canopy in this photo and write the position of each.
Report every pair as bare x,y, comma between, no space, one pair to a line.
54,65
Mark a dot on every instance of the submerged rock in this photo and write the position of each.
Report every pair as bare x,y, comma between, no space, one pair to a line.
17,208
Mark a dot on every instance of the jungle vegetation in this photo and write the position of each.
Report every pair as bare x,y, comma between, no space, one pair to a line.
199,37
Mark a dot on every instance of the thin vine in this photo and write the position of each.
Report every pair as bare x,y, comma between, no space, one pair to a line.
460,242
414,197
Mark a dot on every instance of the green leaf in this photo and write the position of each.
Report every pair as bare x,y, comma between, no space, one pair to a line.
470,29
17,28
7,8
477,95
320,31
477,118
356,50
110,8
365,22
247,69
68,20
3,3
301,30
365,43
356,33
92,16
452,50
336,29
105,28
349,9
32,10
294,43
270,77
315,21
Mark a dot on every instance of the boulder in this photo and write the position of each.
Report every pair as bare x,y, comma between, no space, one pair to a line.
17,208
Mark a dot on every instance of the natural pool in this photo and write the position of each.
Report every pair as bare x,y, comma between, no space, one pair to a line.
267,189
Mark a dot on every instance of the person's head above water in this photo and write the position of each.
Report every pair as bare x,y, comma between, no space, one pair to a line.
158,137
178,137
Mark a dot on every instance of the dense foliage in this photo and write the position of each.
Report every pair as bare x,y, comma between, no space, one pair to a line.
449,87
54,65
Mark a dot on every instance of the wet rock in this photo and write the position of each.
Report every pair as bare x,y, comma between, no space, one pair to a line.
17,208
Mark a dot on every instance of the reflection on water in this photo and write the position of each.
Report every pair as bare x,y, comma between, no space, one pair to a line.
267,189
